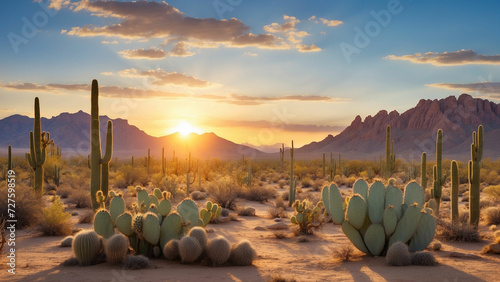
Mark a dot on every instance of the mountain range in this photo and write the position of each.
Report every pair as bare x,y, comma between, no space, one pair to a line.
413,132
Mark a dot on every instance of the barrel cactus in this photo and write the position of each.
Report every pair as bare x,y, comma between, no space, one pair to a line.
190,249
381,216
200,234
242,254
116,249
86,246
219,250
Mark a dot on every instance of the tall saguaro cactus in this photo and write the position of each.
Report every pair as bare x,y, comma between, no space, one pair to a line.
476,152
423,171
99,168
291,198
454,191
282,155
38,142
390,158
438,178
9,160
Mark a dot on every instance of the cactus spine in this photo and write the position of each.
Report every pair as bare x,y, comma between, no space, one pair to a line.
476,150
454,191
38,142
98,166
439,179
390,158
423,169
291,198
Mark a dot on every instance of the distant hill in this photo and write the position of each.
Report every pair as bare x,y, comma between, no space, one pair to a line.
72,133
414,131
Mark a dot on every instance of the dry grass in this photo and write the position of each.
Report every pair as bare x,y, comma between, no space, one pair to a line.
344,253
277,213
280,234
306,182
2,234
458,232
224,191
80,198
64,191
86,217
54,220
197,195
492,215
279,278
258,193
28,206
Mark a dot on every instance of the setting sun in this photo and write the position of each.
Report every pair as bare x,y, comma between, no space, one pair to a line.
185,128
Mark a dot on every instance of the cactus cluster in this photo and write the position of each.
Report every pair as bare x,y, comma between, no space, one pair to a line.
307,216
38,143
151,225
377,216
474,168
99,166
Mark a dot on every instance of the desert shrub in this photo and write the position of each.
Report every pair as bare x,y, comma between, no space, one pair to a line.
279,278
277,213
258,193
54,220
172,186
197,195
492,215
243,211
135,262
307,217
285,195
279,203
27,205
280,234
318,185
281,183
306,182
457,232
344,253
64,191
128,175
493,192
81,198
224,192
86,217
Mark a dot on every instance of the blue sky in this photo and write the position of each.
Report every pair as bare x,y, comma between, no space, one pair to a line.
262,72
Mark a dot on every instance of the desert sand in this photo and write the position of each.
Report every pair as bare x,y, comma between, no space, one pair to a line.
39,259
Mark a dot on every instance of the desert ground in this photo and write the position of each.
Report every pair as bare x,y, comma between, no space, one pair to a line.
39,258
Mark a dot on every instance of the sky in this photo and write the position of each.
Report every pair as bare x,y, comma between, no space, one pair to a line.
258,72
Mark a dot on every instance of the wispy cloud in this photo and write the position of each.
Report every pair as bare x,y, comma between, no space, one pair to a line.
150,54
308,48
491,89
291,127
161,77
463,57
325,21
292,36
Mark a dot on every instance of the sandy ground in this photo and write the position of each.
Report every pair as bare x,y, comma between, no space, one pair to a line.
38,259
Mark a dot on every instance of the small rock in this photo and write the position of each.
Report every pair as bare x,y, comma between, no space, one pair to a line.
456,255
259,228
278,220
224,212
209,230
74,213
67,241
495,248
223,219
278,226
303,239
471,256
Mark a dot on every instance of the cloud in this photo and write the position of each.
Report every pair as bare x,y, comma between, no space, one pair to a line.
290,127
463,57
150,54
161,77
56,4
308,48
251,54
53,87
109,42
106,73
486,87
289,32
148,19
331,22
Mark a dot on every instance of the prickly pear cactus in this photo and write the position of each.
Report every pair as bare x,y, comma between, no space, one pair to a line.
382,216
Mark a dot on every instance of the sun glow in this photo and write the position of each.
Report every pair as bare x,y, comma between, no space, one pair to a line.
185,128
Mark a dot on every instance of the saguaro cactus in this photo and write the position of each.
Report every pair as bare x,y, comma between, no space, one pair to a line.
476,151
423,171
291,198
9,161
390,158
439,178
188,170
454,191
282,155
38,142
163,161
98,166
